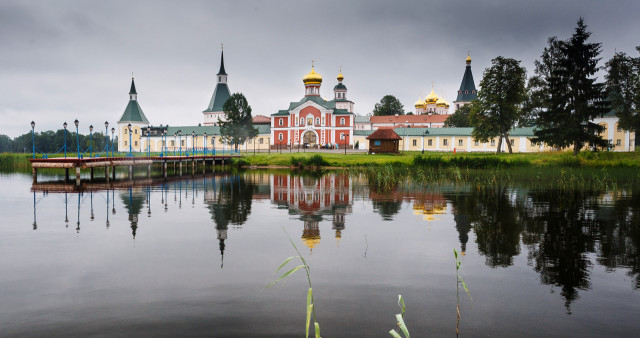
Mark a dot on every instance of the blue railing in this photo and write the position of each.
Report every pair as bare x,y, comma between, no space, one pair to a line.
110,152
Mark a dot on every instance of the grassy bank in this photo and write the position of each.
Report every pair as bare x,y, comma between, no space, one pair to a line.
438,160
464,160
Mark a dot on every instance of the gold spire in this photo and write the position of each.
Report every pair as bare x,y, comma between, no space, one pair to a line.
312,77
340,76
468,61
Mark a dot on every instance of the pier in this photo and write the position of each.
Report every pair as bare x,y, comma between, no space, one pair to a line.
110,163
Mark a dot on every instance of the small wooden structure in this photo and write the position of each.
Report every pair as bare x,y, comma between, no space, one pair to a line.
383,141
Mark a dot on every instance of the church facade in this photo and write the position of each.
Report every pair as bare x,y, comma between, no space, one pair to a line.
313,121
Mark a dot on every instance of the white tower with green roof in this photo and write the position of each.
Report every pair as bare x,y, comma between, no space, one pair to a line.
221,93
133,116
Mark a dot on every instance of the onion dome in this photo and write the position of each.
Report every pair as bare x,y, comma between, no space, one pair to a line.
441,102
340,77
420,103
431,98
468,61
312,77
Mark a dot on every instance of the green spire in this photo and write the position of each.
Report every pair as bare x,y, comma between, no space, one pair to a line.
133,88
222,71
467,91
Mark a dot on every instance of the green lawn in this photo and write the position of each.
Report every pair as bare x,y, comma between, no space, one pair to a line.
600,159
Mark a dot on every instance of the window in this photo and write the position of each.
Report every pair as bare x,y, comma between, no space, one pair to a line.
533,144
445,142
219,78
172,143
135,143
261,141
310,121
493,142
460,143
182,142
164,143
415,143
513,142
619,129
377,143
302,121
323,121
317,121
342,121
125,143
280,137
618,142
342,136
249,141
135,131
213,141
280,121
429,142
476,143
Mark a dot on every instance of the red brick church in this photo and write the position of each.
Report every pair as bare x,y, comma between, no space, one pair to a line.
314,121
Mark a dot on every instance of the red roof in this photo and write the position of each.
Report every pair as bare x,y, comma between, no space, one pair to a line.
384,134
435,118
261,119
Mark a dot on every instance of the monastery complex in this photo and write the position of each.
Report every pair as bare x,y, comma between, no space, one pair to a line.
315,122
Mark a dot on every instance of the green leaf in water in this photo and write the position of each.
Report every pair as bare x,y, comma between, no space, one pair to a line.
285,263
286,274
317,329
394,334
402,326
309,309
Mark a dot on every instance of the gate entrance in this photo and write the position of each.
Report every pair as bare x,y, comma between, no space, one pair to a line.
309,138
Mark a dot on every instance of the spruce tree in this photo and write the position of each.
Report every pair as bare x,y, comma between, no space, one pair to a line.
623,87
567,93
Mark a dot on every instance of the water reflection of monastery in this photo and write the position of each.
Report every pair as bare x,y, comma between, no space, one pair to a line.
313,199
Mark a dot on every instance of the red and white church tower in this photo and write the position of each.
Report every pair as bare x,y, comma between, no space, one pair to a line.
313,121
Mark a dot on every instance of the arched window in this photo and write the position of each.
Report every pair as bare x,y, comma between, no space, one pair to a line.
342,136
280,123
302,121
280,136
317,121
342,121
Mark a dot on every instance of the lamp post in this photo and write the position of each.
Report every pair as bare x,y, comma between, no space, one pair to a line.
77,137
180,140
174,143
91,140
148,141
113,137
164,142
33,140
129,127
193,144
65,139
106,136
204,145
269,144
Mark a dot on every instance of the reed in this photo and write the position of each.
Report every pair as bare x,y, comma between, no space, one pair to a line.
400,321
459,281
311,311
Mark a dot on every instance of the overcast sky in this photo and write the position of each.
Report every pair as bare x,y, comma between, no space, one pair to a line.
62,60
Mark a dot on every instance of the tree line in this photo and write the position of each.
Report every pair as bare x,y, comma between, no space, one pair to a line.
51,141
560,100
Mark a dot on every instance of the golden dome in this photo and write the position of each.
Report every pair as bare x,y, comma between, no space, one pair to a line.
420,103
312,77
340,77
441,102
468,59
431,98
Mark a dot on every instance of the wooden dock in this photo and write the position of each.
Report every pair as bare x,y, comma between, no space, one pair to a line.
110,163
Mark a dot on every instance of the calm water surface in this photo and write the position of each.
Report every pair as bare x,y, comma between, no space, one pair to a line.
192,257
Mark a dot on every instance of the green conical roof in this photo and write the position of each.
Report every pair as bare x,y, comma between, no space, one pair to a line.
467,91
133,113
220,95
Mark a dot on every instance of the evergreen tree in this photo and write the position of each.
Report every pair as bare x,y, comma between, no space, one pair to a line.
388,105
623,84
238,126
566,92
500,101
460,118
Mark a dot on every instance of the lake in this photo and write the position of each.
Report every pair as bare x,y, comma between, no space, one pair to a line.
192,256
